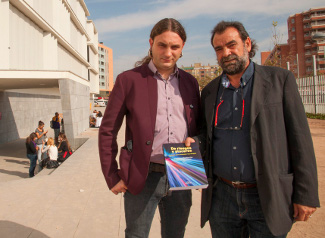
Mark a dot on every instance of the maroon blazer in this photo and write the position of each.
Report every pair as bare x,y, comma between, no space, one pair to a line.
135,96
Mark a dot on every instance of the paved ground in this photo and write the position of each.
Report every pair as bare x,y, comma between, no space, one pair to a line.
73,200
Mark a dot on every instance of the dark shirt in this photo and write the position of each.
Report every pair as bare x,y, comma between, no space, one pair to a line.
30,148
232,157
63,147
56,122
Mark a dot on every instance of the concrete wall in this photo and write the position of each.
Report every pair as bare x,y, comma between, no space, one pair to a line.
75,108
21,112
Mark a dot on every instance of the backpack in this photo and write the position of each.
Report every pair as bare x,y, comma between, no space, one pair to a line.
51,124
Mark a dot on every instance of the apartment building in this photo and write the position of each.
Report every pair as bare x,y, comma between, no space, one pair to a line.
200,71
306,37
105,62
302,29
48,64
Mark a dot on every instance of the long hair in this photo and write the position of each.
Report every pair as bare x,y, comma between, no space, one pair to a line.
166,24
224,25
30,137
64,138
50,142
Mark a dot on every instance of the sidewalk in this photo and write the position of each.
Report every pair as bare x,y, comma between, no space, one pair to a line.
74,201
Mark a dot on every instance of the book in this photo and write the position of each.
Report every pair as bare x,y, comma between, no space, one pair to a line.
184,166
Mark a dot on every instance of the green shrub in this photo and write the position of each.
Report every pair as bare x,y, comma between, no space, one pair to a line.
316,116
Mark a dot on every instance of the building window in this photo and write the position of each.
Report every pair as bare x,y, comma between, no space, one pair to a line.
293,37
292,20
103,84
293,29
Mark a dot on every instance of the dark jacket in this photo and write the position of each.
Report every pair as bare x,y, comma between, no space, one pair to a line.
281,146
31,148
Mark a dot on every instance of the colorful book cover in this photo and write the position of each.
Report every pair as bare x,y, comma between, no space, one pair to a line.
184,166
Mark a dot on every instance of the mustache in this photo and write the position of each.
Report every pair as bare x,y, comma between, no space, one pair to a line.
228,58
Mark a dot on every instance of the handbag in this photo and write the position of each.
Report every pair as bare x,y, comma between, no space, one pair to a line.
63,156
51,164
43,162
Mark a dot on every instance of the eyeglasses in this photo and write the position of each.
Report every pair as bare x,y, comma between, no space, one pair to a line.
242,113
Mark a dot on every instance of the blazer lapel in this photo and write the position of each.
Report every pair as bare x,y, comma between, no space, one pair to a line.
261,88
210,104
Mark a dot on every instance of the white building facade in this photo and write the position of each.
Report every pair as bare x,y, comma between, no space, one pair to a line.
48,64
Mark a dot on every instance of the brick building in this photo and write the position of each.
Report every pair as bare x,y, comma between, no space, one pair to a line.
306,37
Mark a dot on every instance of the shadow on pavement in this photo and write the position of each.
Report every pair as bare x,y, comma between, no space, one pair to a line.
18,161
10,229
14,173
15,149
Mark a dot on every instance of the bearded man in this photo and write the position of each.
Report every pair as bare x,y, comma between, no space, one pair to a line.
256,143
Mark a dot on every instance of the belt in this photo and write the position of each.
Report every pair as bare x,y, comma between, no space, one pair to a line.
155,167
238,184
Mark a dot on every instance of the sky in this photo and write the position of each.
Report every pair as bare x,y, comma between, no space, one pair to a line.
125,25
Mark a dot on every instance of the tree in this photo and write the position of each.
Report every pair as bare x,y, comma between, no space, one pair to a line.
204,81
274,58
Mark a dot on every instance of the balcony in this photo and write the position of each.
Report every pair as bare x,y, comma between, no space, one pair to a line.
315,15
308,62
306,19
307,53
320,61
307,36
307,45
307,28
317,25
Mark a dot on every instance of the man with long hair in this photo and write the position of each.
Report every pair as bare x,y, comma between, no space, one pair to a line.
161,105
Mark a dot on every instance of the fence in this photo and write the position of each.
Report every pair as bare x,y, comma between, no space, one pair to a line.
312,92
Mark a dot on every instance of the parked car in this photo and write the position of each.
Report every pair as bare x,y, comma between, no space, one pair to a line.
100,103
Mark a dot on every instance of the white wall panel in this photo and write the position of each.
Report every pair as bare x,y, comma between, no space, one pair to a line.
62,19
26,42
4,39
69,63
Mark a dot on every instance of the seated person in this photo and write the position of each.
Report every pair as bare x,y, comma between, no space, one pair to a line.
99,118
51,149
64,147
92,121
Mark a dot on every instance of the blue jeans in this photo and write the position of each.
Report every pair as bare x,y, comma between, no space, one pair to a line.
237,213
56,132
174,208
33,159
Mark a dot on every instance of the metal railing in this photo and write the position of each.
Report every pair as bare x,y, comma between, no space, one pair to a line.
312,92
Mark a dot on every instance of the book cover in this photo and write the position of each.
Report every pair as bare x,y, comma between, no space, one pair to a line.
184,166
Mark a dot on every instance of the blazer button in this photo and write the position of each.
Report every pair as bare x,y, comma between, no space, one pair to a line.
148,142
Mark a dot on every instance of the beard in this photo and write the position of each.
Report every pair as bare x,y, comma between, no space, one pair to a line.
235,67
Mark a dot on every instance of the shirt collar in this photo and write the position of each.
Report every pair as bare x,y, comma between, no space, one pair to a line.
248,74
153,68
